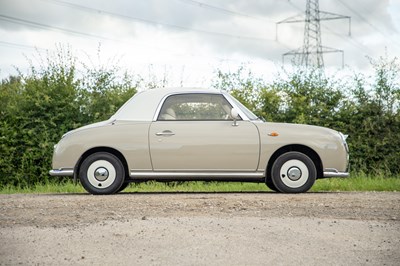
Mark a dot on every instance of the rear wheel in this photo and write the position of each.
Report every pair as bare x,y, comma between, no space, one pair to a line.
102,173
270,184
293,172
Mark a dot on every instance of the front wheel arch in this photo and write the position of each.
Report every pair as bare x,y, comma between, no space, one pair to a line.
299,148
109,150
114,152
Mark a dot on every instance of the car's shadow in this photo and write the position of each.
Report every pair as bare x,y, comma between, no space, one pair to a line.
192,193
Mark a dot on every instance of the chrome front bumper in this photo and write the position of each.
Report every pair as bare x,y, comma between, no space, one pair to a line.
330,172
62,172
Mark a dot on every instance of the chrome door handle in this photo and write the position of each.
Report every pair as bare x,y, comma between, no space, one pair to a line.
166,133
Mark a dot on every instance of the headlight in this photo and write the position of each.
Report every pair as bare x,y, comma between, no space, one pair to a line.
344,137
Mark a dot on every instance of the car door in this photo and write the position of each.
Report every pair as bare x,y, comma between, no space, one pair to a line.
194,132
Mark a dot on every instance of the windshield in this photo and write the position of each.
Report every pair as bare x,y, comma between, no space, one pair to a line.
244,109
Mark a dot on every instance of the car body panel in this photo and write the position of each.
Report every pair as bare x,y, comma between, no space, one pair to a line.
204,146
128,138
216,150
324,141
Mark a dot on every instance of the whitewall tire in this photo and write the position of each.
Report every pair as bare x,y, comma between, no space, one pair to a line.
293,172
102,173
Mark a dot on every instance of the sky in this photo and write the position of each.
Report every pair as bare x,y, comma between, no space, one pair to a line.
187,40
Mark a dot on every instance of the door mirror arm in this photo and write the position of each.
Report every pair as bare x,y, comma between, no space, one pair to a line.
234,116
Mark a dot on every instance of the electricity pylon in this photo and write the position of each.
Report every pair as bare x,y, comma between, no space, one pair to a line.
311,53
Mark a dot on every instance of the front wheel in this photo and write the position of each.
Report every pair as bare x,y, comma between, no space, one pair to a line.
102,173
293,172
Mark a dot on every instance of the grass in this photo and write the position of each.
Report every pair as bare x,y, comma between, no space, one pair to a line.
49,187
358,182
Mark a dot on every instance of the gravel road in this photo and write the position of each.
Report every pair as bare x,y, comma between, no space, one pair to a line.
201,229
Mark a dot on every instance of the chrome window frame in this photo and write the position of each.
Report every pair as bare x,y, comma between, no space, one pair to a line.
230,101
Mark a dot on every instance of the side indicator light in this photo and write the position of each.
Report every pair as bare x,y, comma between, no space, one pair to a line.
273,134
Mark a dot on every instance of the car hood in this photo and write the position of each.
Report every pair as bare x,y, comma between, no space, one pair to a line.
94,125
295,129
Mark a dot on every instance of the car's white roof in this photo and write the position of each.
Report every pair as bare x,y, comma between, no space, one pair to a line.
172,90
143,105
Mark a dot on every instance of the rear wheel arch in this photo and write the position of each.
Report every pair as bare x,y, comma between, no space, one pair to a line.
299,148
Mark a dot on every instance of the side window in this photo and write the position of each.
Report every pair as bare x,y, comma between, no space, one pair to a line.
195,106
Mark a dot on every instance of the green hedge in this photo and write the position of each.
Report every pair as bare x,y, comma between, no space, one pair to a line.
39,107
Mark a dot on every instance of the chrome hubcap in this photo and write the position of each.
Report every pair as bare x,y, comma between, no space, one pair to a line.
294,173
101,174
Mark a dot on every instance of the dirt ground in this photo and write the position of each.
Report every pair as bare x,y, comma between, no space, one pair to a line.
201,229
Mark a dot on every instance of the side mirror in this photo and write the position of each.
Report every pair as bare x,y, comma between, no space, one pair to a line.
234,116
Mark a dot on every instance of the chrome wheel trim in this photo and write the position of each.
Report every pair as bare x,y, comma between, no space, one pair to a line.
101,174
294,173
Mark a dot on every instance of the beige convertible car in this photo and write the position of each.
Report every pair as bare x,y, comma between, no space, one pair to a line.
185,134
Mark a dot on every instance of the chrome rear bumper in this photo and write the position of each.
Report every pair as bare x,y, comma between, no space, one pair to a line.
330,172
62,172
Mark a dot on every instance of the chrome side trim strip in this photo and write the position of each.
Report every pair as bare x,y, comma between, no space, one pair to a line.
161,175
331,172
61,172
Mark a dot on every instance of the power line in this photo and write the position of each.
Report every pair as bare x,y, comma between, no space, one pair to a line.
350,39
69,31
45,26
36,24
359,15
223,10
366,21
147,21
24,46
58,29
